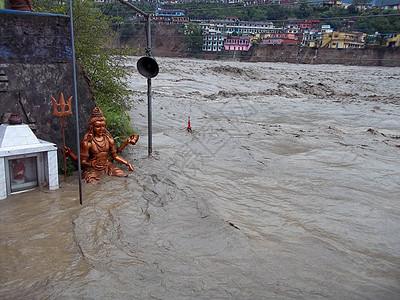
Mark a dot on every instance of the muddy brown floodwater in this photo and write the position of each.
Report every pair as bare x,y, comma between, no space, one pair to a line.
287,188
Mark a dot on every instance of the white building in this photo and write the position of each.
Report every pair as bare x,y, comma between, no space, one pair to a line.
239,27
213,41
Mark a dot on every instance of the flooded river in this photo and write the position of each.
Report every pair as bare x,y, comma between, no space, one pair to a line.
287,188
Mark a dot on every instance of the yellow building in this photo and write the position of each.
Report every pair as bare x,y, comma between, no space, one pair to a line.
333,2
393,40
343,40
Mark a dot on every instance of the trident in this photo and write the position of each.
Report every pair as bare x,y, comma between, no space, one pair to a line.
62,109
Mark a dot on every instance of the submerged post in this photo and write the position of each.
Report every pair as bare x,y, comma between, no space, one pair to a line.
76,101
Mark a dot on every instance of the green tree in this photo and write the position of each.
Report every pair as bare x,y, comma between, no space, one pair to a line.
381,40
94,41
304,10
193,38
352,9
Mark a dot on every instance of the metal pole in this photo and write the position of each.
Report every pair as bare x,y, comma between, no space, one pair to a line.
149,118
76,101
149,112
149,100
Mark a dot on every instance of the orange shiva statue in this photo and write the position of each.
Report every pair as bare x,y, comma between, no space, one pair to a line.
96,147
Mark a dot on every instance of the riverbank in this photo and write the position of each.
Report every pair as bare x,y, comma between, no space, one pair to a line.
168,42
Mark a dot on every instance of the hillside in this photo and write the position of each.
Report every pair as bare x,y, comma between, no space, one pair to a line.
166,41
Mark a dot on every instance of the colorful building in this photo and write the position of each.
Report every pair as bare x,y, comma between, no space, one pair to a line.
343,40
308,24
393,40
170,16
241,43
312,38
280,39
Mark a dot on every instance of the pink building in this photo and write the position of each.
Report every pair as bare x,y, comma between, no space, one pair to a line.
242,43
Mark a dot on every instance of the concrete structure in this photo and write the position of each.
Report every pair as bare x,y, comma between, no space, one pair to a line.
281,38
25,161
326,29
343,40
239,27
241,43
312,38
393,40
291,28
389,4
308,24
170,16
213,41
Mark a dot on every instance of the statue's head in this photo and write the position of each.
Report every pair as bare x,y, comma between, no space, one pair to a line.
97,115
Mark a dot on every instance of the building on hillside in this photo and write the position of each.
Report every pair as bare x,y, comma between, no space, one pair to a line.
249,2
308,24
179,20
291,28
287,2
255,2
170,20
332,3
213,41
343,40
170,16
312,38
232,19
326,29
169,13
199,20
241,43
393,40
390,4
280,39
239,27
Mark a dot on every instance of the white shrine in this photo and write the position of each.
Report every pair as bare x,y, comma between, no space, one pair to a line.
26,162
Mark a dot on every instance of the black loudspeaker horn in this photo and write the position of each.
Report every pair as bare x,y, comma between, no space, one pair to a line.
148,67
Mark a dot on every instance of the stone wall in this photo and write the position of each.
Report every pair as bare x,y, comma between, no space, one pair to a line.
35,65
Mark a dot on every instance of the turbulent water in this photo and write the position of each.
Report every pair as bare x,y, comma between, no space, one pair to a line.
287,188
